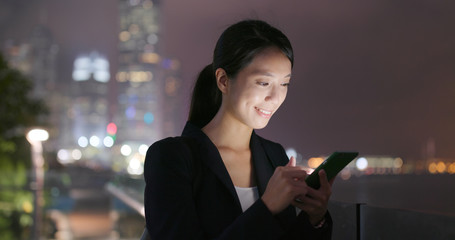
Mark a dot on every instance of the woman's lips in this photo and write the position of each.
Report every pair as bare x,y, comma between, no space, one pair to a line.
264,113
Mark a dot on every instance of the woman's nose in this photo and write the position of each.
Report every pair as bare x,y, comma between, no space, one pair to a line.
275,94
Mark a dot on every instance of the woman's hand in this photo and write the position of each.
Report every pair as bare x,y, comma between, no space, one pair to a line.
286,183
315,202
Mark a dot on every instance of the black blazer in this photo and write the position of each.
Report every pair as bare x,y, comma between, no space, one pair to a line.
189,193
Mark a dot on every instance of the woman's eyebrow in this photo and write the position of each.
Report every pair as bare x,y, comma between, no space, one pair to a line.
268,74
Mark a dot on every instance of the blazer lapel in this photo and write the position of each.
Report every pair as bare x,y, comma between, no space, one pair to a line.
213,160
263,167
210,156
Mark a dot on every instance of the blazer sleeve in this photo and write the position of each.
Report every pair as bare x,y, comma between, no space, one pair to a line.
169,209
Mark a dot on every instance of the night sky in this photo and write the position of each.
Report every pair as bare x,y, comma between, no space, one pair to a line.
372,76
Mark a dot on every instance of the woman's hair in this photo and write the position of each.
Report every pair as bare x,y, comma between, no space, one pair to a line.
235,49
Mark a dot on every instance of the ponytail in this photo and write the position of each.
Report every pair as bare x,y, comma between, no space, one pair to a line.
206,99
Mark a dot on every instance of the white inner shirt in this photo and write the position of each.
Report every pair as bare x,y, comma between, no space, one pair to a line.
247,196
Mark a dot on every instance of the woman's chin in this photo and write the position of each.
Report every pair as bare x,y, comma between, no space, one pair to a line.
261,125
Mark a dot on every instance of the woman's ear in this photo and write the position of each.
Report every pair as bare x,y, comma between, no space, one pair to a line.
221,80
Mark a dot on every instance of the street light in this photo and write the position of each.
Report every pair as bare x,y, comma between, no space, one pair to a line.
35,137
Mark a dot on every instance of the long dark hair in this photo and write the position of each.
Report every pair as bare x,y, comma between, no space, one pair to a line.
235,49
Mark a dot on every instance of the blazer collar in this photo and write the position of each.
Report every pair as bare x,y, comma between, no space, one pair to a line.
261,157
209,154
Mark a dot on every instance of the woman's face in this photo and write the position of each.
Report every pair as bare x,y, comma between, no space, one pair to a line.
259,89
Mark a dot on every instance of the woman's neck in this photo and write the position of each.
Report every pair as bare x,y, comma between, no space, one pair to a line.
224,131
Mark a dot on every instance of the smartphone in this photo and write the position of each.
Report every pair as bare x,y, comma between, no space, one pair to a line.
332,166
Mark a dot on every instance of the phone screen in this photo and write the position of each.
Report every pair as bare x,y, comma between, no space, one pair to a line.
332,166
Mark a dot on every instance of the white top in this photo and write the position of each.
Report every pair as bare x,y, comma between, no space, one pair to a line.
247,196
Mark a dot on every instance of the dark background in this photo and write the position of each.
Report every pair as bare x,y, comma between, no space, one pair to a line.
373,76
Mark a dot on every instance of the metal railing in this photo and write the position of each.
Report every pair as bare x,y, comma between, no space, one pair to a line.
352,221
361,221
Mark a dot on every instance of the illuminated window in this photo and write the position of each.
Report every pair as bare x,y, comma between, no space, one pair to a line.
147,4
150,58
171,86
152,39
140,76
130,112
149,118
133,29
124,36
134,2
94,63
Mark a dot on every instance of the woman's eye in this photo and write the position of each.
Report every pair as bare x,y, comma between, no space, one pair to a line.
263,84
285,84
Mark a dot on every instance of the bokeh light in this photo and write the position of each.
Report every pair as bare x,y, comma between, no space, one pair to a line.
451,169
291,152
108,141
94,141
124,36
39,135
130,112
441,167
143,149
149,118
361,163
135,166
82,141
76,154
111,129
125,150
315,162
398,163
63,155
432,168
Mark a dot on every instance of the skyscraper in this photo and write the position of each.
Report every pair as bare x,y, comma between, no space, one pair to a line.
147,105
88,113
37,59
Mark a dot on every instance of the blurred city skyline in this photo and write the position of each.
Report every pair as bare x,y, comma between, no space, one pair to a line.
376,77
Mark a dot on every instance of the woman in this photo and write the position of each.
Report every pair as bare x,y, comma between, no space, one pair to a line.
220,180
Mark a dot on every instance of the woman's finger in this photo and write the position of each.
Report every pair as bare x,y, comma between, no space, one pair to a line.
323,180
291,162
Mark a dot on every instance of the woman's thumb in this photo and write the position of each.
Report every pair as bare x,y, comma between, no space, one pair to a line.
291,162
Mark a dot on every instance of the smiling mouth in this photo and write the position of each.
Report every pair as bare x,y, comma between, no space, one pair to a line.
263,112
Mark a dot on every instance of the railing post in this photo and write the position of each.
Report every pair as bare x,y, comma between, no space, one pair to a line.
358,209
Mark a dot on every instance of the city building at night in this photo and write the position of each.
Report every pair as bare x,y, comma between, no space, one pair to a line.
147,83
36,58
88,111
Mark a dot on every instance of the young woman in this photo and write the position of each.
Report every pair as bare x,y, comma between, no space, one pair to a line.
220,180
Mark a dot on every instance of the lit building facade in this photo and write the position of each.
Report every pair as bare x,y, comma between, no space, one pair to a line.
148,85
88,114
37,60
